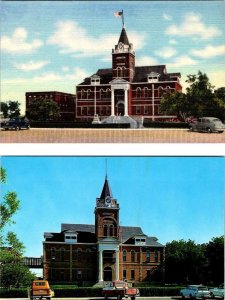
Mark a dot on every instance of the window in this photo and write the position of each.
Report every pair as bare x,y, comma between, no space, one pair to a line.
124,274
79,274
132,274
108,94
160,91
88,94
53,253
146,92
105,229
62,254
132,253
111,227
146,110
138,92
119,72
148,255
124,255
138,110
156,255
79,254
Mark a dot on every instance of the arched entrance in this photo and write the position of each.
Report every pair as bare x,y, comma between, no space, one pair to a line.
107,274
120,108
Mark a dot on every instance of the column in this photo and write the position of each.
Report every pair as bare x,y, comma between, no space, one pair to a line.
117,265
112,102
126,102
100,277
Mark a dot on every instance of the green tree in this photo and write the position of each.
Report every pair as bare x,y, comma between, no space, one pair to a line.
175,103
43,110
13,272
10,109
4,109
184,262
214,252
200,100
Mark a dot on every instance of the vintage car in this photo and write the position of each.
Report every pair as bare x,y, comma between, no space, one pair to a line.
120,289
15,124
207,124
40,289
217,291
195,291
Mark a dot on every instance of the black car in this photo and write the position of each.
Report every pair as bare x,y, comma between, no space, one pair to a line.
15,124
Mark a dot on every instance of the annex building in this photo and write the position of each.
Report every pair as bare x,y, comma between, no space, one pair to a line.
125,91
104,251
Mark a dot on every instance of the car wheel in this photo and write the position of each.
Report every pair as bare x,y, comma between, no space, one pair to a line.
182,296
17,128
212,295
191,128
209,130
132,298
221,131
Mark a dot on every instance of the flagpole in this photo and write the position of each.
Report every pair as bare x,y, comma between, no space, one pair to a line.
123,19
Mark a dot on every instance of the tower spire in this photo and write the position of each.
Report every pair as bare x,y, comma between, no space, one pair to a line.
106,169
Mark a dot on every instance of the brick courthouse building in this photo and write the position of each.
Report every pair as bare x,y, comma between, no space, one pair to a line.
125,89
104,251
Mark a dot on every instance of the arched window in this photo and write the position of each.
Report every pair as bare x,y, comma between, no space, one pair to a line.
108,93
160,91
132,254
102,94
148,255
124,255
146,92
88,94
105,230
111,227
83,94
53,253
138,92
119,72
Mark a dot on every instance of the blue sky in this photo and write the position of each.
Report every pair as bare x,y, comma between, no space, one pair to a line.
171,198
53,45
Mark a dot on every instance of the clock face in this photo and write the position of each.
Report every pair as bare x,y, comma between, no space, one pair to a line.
120,46
108,200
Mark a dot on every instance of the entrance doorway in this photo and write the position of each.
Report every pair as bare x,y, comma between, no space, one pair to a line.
120,108
119,102
107,274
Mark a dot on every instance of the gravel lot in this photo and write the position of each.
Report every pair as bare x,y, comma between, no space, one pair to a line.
43,135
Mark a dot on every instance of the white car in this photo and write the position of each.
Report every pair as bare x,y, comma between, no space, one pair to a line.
217,292
195,291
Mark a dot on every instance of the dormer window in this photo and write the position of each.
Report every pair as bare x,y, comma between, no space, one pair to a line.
140,241
95,80
153,77
71,238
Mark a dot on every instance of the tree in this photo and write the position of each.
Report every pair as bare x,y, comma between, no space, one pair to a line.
214,252
13,272
43,110
10,109
175,103
200,100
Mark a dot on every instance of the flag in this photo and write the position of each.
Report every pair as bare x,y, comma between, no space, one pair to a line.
118,14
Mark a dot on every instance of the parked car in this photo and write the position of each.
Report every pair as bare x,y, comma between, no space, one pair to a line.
15,124
195,291
207,124
120,289
217,291
40,289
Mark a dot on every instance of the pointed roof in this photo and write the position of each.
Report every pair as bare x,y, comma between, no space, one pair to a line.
123,37
106,191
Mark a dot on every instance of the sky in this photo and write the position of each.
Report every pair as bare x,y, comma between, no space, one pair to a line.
171,198
54,45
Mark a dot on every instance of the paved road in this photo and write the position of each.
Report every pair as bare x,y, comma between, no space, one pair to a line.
71,135
95,298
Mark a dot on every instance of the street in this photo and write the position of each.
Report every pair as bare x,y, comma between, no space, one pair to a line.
71,135
98,298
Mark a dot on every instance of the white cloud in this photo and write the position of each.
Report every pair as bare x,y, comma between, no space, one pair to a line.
167,17
146,61
172,42
18,44
31,65
209,51
70,37
183,60
166,52
193,26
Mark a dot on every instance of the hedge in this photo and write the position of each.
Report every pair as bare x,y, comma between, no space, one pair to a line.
91,292
51,124
151,124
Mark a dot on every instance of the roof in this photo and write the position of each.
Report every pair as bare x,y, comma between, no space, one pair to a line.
86,233
106,191
141,74
123,37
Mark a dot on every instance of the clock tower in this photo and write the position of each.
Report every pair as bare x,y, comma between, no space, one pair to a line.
123,58
106,214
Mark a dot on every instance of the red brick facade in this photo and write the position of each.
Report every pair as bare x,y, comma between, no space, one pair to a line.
106,251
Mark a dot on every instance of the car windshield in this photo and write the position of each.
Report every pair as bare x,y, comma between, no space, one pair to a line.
216,121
